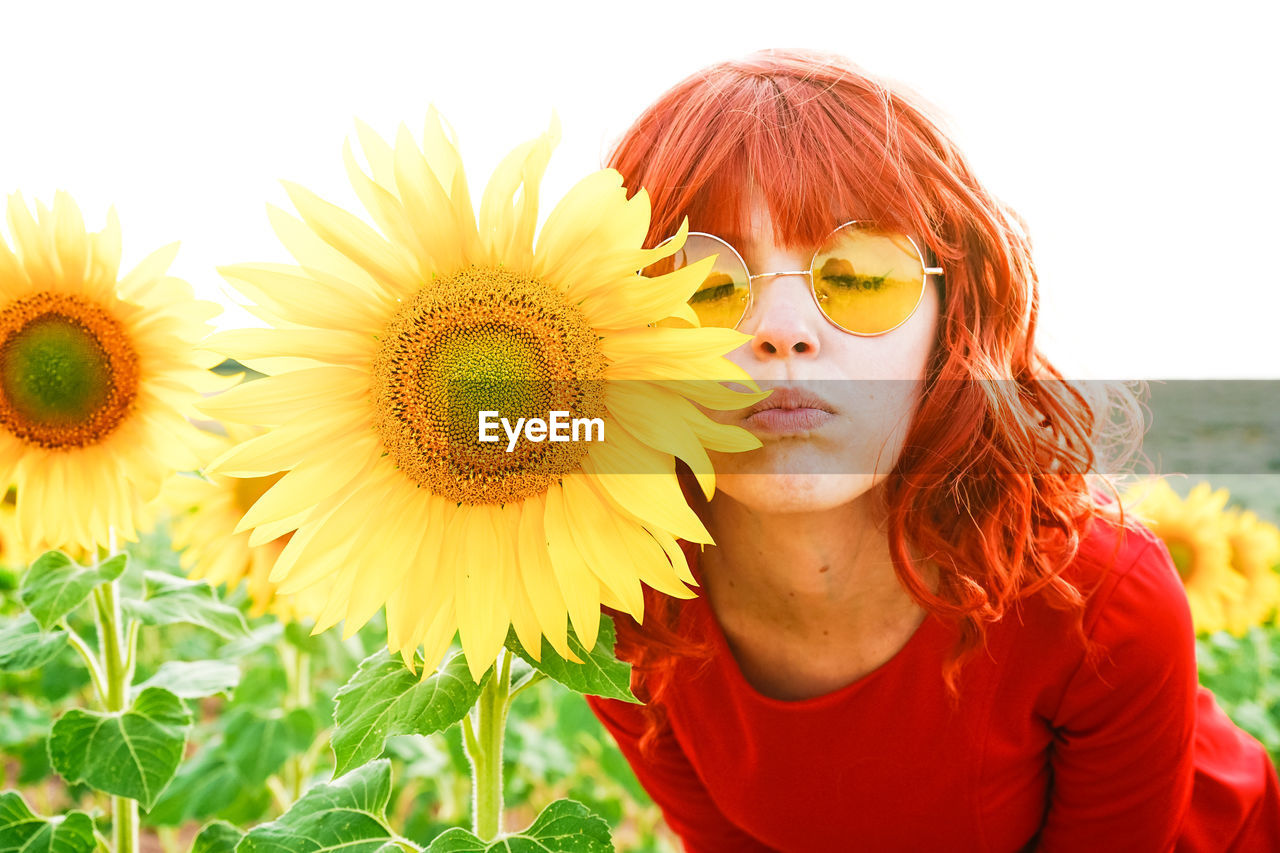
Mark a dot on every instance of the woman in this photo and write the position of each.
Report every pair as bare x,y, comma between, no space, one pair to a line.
920,628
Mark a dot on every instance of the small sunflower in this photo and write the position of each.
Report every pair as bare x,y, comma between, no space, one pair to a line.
389,347
206,512
1255,554
1193,530
97,376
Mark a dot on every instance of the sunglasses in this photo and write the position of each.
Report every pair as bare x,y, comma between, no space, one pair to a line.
866,281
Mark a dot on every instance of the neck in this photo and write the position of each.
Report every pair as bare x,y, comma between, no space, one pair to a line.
806,574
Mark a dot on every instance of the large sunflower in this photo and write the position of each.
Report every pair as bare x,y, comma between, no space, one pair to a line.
1193,531
96,377
389,346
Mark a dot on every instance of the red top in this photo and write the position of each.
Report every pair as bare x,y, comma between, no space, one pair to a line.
1043,752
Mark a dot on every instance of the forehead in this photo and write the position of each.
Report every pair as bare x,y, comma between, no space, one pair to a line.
757,240
752,214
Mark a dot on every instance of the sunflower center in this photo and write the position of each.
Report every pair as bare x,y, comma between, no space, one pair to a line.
484,339
1183,558
68,373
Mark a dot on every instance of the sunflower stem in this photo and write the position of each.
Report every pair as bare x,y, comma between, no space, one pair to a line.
484,748
117,658
90,660
298,677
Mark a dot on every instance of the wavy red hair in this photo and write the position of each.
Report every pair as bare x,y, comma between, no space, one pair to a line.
992,481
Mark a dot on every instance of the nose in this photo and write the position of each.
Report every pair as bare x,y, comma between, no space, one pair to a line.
783,320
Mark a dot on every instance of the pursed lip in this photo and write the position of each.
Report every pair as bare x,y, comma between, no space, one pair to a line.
786,397
788,412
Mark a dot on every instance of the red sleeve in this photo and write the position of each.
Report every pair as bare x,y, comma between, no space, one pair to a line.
1122,756
673,784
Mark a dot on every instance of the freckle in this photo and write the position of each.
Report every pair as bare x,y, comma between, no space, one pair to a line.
825,633
791,594
824,570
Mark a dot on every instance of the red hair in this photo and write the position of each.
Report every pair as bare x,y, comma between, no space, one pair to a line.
991,482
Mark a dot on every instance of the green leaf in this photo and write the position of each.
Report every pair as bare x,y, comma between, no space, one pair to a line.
259,742
132,753
193,679
456,840
348,814
599,674
384,698
55,585
565,826
21,830
24,646
217,837
170,599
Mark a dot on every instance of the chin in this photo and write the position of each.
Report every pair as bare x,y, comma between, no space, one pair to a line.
794,492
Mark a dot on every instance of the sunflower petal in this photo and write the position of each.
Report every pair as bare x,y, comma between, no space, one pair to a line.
577,583
589,525
539,578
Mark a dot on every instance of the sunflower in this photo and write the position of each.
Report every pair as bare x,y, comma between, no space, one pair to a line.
1255,554
206,512
391,347
1195,534
96,377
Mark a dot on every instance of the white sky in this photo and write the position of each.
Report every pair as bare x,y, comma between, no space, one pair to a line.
1136,139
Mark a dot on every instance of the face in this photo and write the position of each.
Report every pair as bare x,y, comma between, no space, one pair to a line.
840,427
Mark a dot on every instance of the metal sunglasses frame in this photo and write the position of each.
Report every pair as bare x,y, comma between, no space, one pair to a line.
751,291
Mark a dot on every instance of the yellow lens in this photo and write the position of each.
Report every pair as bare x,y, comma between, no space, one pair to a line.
722,298
867,281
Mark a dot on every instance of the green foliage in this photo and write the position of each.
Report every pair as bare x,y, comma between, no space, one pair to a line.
564,827
55,585
133,753
217,837
349,813
24,646
193,679
168,599
599,674
207,785
259,742
384,698
1244,675
21,831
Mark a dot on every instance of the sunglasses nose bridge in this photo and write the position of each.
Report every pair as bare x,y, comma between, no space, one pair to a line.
755,276
777,297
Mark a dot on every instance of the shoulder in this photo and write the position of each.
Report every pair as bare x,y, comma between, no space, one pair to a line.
1134,632
1137,621
1129,581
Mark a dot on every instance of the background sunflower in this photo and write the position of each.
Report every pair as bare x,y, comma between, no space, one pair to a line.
1194,532
205,513
97,377
1255,555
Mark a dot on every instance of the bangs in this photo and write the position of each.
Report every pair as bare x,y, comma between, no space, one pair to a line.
816,154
